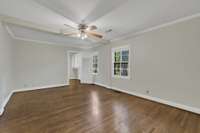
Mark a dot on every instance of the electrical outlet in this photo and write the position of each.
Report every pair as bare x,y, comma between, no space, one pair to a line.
147,91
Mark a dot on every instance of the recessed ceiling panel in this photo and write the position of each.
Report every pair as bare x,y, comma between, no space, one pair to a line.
124,17
82,10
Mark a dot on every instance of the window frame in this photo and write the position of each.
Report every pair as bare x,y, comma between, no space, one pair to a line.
97,55
120,49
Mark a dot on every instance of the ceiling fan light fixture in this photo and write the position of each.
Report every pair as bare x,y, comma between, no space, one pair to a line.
85,36
82,37
79,35
87,29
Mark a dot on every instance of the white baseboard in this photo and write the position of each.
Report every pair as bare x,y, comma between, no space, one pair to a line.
155,99
2,108
103,85
5,103
39,87
86,82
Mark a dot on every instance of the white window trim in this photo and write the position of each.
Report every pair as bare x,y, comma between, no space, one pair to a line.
125,47
95,54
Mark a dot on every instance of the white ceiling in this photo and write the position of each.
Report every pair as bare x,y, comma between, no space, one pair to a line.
78,10
123,16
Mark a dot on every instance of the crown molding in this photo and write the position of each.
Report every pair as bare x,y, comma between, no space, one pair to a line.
10,32
135,34
31,25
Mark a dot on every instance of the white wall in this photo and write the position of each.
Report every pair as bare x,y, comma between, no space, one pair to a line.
104,75
164,61
38,65
6,76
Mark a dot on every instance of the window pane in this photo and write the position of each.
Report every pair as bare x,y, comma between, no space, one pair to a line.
95,71
95,64
94,59
117,56
124,65
117,72
117,66
124,72
125,54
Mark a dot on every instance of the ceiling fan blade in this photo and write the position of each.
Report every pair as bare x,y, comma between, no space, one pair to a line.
92,27
95,34
97,40
70,34
94,38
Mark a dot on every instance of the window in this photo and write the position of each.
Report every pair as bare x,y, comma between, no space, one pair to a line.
95,64
120,62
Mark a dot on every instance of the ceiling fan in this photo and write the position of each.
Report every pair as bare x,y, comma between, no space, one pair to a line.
83,31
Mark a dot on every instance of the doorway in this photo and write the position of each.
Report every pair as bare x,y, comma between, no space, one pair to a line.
74,65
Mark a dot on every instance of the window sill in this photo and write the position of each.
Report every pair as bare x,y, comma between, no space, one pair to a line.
95,74
121,77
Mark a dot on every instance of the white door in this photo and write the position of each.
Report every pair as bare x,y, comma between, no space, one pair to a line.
86,76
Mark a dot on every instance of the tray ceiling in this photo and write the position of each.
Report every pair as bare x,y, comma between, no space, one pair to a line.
124,17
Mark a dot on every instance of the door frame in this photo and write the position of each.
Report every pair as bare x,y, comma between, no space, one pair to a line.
69,52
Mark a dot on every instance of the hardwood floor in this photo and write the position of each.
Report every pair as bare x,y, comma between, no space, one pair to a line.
92,109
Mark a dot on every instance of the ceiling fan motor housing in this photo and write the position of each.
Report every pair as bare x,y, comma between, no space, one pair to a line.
82,27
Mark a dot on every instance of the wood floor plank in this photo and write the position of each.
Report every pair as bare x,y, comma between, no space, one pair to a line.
92,109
